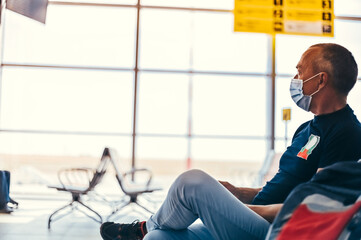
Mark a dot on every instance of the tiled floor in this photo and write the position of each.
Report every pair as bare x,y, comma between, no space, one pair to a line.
37,202
29,222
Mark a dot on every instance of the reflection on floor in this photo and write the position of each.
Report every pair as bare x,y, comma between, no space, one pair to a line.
37,202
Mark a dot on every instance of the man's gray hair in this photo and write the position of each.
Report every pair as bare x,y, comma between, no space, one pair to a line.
339,64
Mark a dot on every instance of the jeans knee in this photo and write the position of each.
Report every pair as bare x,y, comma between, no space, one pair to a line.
191,180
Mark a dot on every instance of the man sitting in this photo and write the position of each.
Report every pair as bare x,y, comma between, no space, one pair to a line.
326,74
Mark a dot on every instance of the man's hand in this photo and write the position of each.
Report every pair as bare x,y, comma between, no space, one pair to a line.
246,195
268,212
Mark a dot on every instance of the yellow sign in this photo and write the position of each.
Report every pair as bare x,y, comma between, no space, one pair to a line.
306,17
286,114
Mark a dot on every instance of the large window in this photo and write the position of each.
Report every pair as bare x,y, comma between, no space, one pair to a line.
73,36
66,100
178,88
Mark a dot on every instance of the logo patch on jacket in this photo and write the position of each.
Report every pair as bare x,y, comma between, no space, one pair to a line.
312,143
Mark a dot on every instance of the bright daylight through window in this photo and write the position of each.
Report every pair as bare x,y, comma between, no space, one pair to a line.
182,90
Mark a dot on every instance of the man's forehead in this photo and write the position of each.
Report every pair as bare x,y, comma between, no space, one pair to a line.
310,52
307,56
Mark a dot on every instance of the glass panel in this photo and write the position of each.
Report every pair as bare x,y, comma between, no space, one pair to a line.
40,156
347,8
228,150
105,40
63,145
298,116
163,103
165,39
161,148
67,100
280,145
240,159
218,48
229,105
209,4
347,35
214,4
132,2
164,156
289,48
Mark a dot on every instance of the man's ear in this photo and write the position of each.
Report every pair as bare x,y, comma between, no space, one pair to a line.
324,78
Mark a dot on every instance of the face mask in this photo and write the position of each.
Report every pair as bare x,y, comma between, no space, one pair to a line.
303,101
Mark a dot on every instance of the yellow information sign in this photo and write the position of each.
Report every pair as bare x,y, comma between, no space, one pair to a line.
305,17
286,114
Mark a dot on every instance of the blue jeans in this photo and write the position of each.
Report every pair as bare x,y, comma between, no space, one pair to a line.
195,194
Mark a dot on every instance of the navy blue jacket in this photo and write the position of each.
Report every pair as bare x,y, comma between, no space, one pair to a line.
318,143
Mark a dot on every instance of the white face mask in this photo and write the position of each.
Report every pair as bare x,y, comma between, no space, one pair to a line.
296,90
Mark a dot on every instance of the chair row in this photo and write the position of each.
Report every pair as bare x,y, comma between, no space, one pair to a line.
79,182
